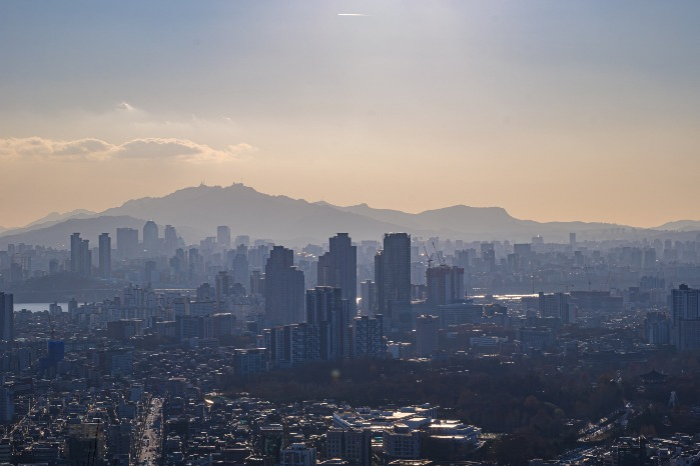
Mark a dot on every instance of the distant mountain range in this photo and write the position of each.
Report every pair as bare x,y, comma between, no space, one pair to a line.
197,211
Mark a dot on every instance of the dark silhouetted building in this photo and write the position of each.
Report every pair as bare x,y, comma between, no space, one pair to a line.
445,284
685,315
223,237
150,236
338,268
284,288
392,274
80,255
329,314
127,242
427,335
7,317
105,252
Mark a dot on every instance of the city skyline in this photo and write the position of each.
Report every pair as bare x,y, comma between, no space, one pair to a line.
572,111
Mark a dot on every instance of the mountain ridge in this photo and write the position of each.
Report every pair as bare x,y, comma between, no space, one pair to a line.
196,211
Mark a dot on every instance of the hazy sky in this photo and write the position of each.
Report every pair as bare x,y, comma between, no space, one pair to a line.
554,110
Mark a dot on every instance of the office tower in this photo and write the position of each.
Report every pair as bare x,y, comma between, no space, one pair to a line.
127,243
392,274
7,317
7,406
338,268
80,255
427,335
223,289
105,252
75,261
284,288
329,314
241,269
53,266
243,240
572,241
556,305
368,295
223,237
445,285
150,236
488,256
685,315
170,240
367,337
257,283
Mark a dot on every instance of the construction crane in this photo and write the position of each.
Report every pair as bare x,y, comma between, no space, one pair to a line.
48,314
430,258
607,281
588,277
438,254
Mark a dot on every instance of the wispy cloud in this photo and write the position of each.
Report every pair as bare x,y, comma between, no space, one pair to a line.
125,106
141,148
351,14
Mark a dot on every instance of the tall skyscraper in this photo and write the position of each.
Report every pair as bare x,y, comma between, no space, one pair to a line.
170,240
223,237
80,255
241,269
223,289
150,236
7,317
284,288
392,274
368,293
685,315
488,256
338,268
329,314
105,252
75,242
127,243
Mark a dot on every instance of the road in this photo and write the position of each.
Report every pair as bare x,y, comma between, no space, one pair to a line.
151,441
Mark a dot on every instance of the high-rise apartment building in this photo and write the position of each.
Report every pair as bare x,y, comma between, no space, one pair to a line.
445,285
80,255
338,268
7,317
223,237
368,293
170,240
367,337
685,316
127,243
284,288
241,268
392,274
427,335
329,314
105,253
